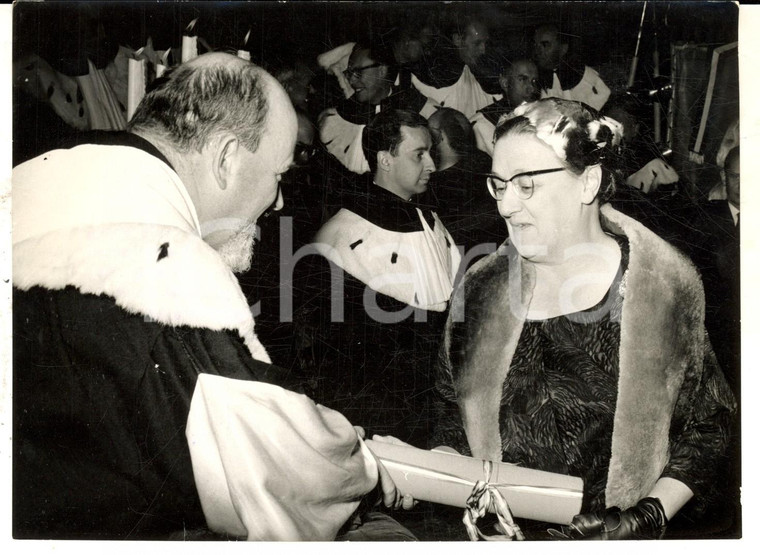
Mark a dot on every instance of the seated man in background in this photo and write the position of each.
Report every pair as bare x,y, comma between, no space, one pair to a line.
383,278
721,273
560,76
141,392
519,81
378,85
410,38
456,75
720,266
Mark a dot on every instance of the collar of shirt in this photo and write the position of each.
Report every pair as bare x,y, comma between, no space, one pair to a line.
734,212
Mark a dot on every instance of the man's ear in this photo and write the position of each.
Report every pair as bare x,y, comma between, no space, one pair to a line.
592,181
504,83
225,158
384,160
457,38
563,48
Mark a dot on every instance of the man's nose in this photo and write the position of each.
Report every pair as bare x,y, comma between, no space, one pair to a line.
429,164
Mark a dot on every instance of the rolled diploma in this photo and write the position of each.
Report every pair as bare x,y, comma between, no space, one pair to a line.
448,479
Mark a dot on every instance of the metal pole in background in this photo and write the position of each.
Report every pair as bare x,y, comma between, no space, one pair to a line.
635,61
656,73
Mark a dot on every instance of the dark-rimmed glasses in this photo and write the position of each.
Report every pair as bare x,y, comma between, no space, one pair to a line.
521,182
357,71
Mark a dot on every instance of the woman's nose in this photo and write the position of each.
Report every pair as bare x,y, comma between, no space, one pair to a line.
509,203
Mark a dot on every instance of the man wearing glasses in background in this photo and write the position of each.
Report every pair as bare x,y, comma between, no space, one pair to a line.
378,83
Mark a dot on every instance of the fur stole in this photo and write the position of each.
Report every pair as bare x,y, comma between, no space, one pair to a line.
661,345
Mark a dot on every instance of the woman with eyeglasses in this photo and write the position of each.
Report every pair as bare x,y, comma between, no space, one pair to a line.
579,347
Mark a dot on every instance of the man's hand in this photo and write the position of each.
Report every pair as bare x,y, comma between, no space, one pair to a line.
390,495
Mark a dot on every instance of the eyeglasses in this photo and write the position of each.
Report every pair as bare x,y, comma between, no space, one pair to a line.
357,71
521,183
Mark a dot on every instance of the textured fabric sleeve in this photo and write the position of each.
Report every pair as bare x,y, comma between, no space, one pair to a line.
177,357
700,431
270,464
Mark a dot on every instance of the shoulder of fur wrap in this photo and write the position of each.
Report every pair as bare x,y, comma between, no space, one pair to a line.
162,272
661,347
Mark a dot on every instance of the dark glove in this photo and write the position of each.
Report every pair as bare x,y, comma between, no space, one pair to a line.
644,521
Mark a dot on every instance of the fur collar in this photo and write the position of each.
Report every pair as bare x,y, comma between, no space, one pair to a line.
661,344
160,271
416,268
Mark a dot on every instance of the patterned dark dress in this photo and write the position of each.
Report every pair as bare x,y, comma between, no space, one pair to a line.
559,398
561,389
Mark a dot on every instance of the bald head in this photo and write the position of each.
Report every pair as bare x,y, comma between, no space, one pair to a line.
216,59
212,94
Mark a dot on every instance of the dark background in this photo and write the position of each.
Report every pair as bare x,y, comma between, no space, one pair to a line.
603,33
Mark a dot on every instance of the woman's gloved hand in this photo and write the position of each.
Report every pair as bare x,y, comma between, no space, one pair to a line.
644,521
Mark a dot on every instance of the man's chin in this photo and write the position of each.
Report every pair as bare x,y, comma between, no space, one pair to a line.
237,251
241,263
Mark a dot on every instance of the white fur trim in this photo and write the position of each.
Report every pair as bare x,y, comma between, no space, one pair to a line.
190,286
343,140
424,264
466,95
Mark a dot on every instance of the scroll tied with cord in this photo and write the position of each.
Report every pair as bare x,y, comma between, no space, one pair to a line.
481,486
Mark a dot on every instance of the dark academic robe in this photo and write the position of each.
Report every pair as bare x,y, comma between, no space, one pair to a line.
374,361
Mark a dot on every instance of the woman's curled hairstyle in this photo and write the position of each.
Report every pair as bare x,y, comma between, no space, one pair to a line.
578,134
